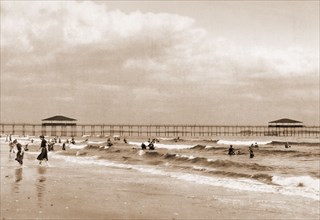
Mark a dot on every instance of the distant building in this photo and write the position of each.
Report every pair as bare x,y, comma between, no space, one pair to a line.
59,120
285,122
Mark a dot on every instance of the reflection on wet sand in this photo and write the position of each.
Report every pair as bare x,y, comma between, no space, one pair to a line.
41,184
18,178
18,174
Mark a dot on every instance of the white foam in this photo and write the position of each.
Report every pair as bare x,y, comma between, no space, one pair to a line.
185,156
96,142
75,146
167,139
246,184
203,168
247,143
91,160
297,181
166,146
141,152
173,146
20,139
208,147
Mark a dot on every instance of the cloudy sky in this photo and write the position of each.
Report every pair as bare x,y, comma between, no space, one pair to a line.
192,62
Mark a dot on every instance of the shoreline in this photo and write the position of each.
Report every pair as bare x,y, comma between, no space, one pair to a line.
72,191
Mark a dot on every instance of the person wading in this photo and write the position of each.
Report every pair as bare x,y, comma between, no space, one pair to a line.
20,152
44,151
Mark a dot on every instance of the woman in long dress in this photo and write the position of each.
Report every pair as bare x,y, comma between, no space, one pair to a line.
44,151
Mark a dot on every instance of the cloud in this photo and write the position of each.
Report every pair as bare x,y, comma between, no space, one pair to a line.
82,49
78,31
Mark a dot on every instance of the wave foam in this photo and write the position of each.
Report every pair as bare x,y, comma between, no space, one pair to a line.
247,143
73,146
299,181
190,157
166,146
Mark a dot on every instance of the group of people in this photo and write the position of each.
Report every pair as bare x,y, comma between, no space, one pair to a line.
150,145
43,156
45,146
231,150
55,140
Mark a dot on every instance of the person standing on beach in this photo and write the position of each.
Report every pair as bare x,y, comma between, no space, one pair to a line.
11,145
44,152
20,152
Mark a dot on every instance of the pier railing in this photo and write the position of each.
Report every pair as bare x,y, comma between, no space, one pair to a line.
104,130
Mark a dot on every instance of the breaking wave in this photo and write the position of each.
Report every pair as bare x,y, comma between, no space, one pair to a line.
304,186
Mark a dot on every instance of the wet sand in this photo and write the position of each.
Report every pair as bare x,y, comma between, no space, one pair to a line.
72,191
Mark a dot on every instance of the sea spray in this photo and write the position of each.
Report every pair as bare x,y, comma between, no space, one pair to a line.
297,181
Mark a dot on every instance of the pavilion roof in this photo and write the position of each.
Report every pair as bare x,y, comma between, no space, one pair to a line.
59,118
285,120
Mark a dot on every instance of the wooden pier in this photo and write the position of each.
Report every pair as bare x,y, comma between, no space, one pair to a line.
103,130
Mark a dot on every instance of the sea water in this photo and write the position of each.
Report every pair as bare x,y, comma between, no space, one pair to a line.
290,171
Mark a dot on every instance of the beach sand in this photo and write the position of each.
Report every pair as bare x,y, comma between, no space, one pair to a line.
74,191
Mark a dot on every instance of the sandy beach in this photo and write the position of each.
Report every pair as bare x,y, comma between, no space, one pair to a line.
66,190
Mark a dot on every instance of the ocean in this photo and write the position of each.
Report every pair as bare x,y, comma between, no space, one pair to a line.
293,171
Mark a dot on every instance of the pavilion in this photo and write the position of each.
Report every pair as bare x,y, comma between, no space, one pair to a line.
59,120
285,122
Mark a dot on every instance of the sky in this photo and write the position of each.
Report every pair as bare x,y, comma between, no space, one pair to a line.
160,62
